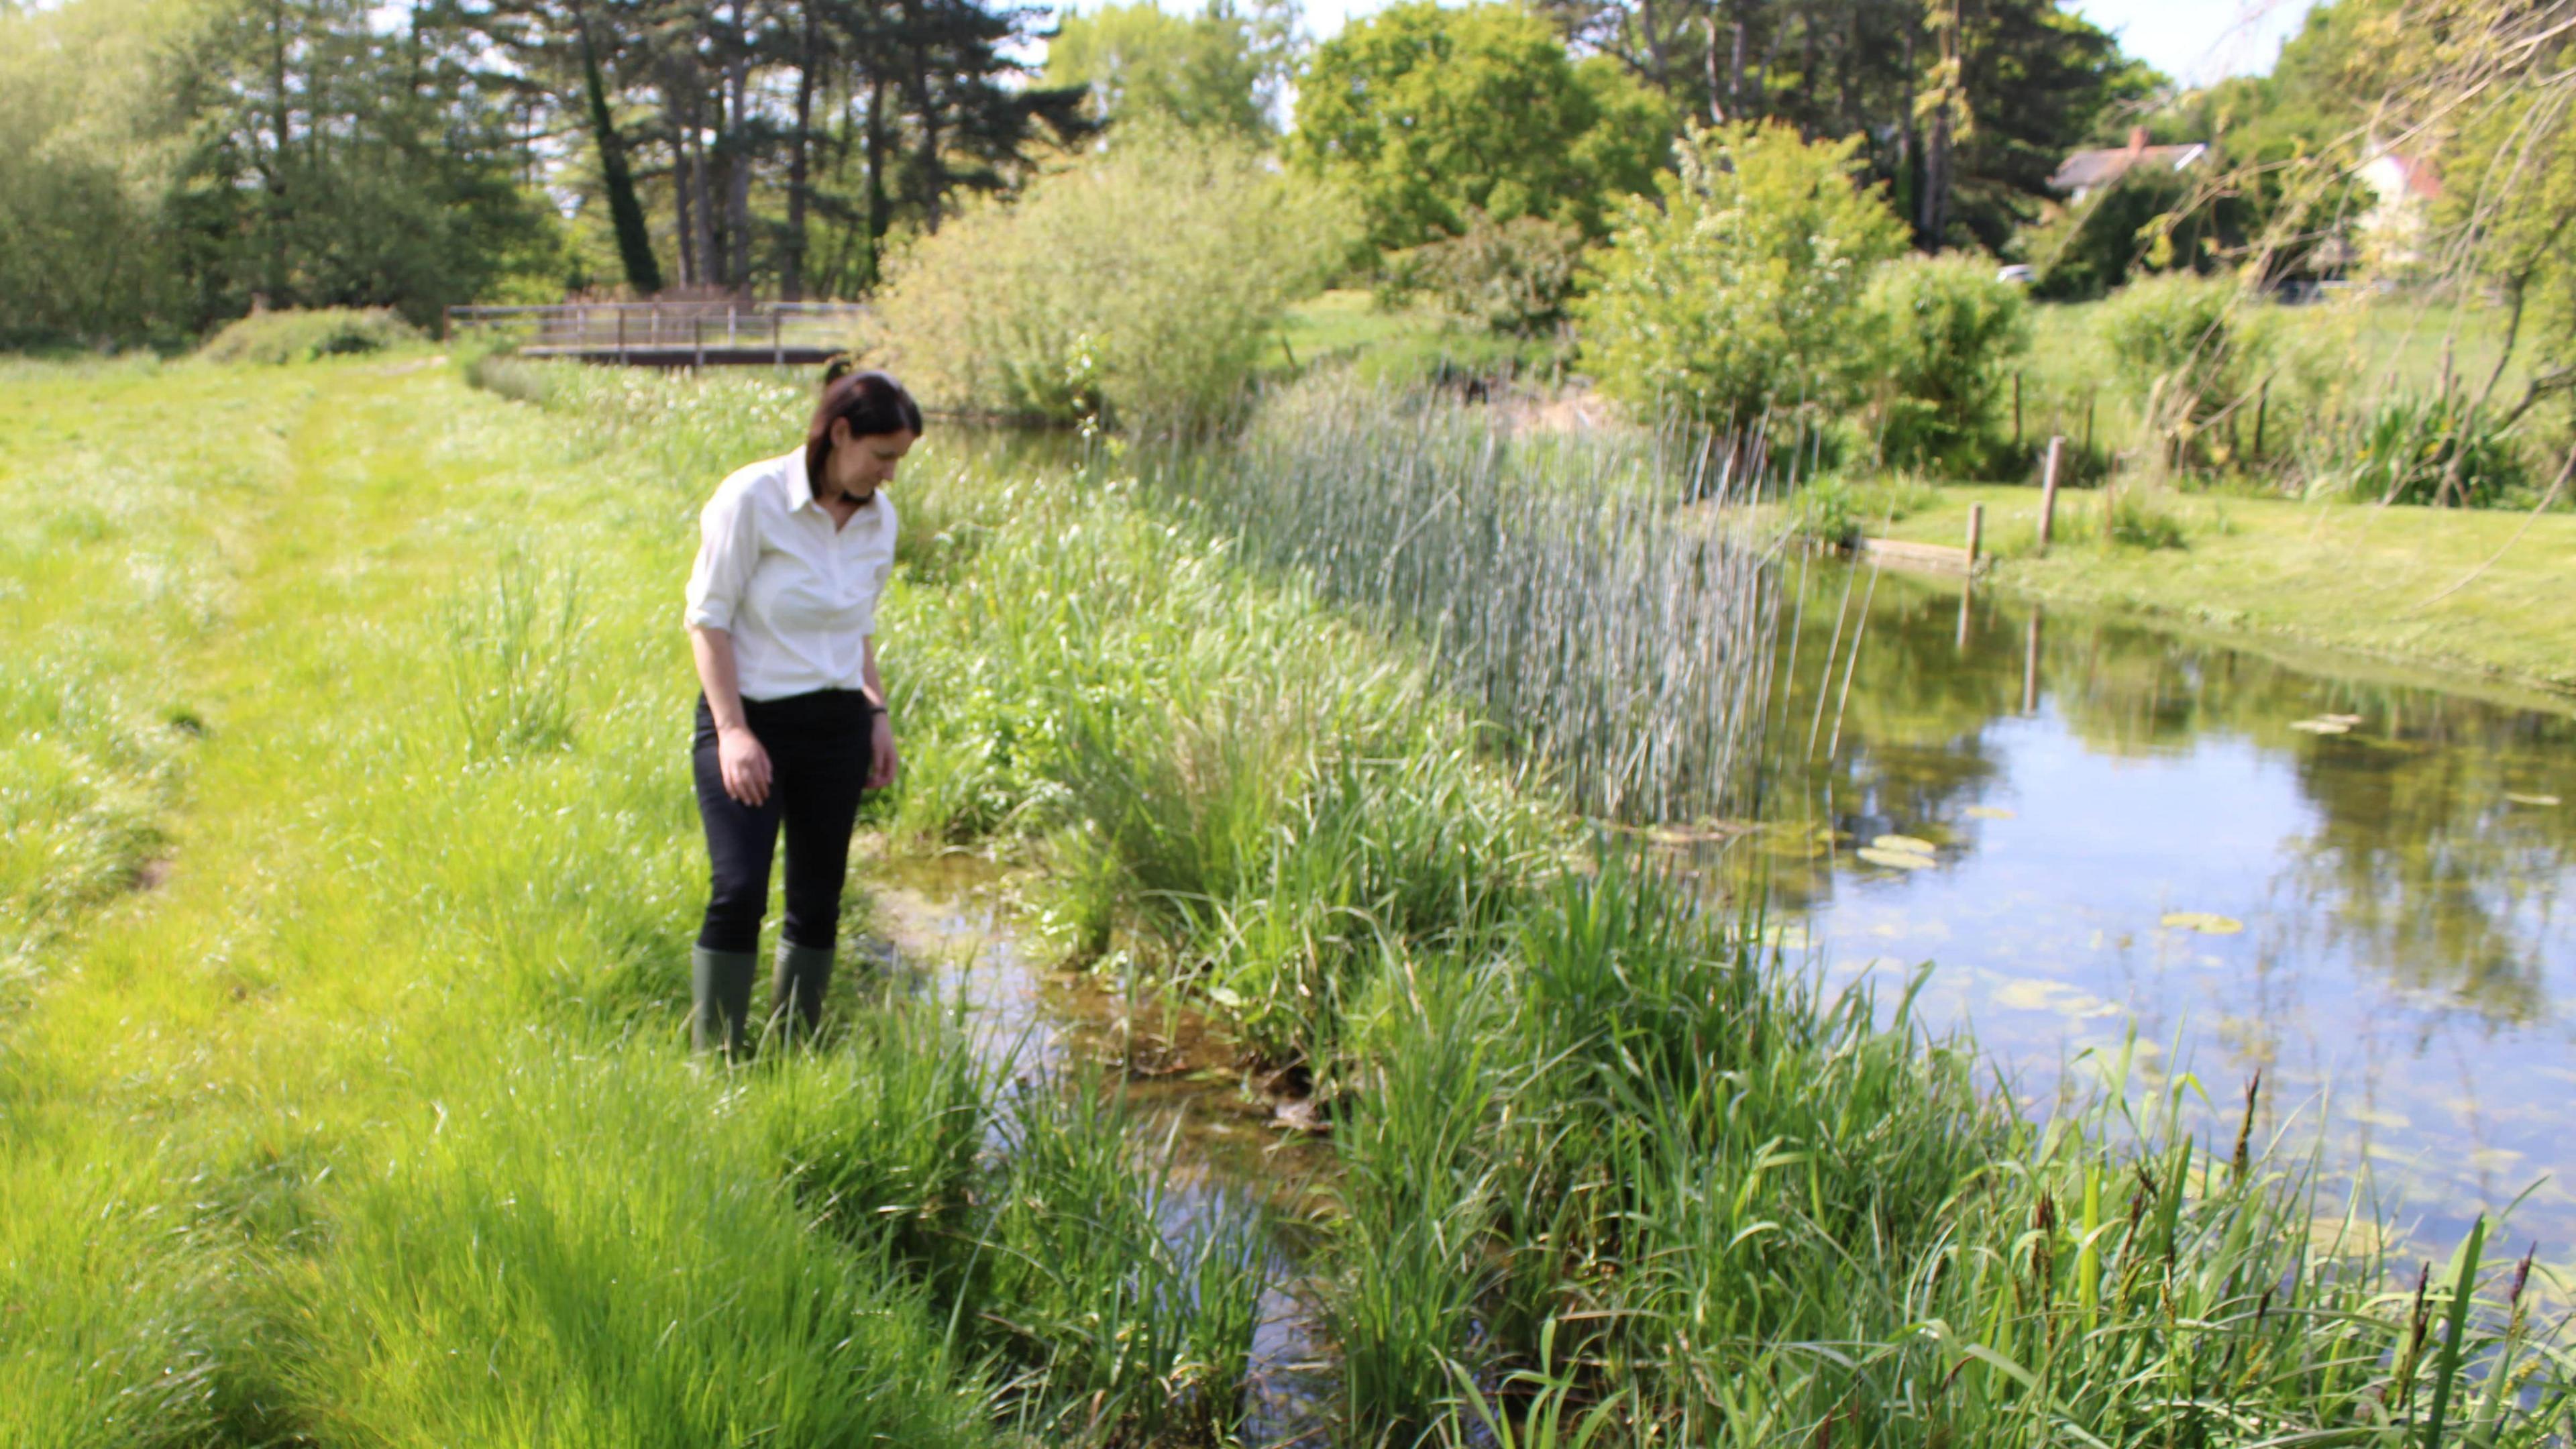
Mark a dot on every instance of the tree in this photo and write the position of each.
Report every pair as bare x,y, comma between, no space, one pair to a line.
1427,115
1738,296
1216,71
1965,108
336,165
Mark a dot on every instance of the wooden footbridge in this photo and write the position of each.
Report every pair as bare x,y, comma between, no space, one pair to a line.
721,333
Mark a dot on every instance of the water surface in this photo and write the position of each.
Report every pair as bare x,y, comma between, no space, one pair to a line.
2353,879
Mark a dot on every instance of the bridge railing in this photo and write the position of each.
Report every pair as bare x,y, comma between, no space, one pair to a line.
671,331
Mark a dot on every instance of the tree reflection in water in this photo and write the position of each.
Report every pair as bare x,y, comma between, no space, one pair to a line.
2085,777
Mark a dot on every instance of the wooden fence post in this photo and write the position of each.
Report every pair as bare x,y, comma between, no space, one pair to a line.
698,339
777,340
2048,492
1976,531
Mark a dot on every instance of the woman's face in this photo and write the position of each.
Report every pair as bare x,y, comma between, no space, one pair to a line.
860,464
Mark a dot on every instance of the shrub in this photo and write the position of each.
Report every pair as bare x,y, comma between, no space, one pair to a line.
1835,510
302,336
1946,328
1740,293
2094,247
1139,284
2434,449
2137,518
2186,347
1513,277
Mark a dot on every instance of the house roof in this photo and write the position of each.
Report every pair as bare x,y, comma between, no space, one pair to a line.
2090,170
2414,175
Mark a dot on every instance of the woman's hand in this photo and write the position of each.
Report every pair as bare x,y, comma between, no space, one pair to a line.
882,760
745,765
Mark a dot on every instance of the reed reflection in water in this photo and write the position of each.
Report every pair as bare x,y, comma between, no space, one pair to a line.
2349,877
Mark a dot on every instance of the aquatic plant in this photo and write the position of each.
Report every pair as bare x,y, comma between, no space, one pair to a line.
1594,599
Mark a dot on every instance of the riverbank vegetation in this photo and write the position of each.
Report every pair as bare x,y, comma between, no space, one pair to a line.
1599,1156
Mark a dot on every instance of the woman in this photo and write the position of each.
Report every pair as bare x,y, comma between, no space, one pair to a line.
792,724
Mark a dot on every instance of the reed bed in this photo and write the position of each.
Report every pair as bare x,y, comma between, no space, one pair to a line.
1586,594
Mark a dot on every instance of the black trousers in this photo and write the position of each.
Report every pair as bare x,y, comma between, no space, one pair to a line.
818,760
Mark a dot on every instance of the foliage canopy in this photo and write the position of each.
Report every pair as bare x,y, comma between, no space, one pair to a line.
1428,115
1219,70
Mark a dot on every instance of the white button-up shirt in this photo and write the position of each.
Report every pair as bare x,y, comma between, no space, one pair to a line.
798,595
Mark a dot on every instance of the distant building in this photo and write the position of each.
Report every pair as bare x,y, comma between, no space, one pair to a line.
2085,172
2404,188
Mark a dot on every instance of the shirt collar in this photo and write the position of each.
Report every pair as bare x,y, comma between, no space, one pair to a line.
800,488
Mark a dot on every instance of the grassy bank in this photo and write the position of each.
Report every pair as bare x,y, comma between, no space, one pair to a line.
371,1118
2382,581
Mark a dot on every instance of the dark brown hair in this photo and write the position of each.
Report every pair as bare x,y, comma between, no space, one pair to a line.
870,402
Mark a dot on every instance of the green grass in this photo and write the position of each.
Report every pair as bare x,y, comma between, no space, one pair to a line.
2330,362
370,1124
1400,345
2376,581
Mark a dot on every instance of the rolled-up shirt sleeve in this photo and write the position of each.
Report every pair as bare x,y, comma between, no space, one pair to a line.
728,546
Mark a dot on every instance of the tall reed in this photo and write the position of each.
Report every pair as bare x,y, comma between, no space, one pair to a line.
1589,596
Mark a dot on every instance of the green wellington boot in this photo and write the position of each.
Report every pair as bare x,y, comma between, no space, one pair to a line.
720,998
796,989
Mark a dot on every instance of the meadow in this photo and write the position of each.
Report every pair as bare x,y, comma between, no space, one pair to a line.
345,1101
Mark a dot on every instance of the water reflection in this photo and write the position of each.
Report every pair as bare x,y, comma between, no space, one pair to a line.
2346,876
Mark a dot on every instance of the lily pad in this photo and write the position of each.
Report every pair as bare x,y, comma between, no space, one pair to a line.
2520,799
1896,859
2321,726
2205,922
2057,997
1989,812
1905,844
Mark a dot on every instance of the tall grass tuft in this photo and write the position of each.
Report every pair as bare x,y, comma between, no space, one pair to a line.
511,658
1129,1321
1602,622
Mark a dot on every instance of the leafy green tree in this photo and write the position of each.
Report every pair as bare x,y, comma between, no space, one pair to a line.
337,166
83,161
1428,115
1966,109
1219,70
1740,293
165,166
